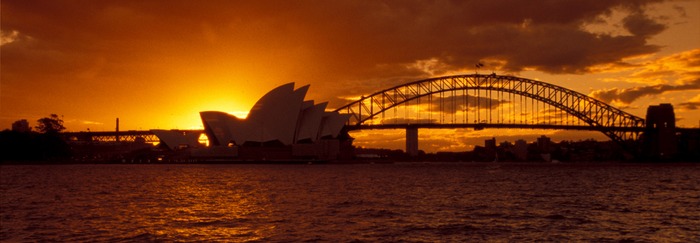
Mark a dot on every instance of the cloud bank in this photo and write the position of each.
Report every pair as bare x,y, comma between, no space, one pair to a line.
678,72
345,40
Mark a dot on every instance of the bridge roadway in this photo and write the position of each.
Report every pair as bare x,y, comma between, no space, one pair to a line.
411,138
480,126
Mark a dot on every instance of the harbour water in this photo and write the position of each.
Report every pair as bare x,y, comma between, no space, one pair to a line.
428,202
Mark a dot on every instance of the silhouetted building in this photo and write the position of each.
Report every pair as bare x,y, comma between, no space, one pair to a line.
520,149
280,126
505,146
544,144
281,116
689,144
660,136
490,144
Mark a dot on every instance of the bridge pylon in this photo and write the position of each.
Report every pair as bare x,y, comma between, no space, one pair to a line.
412,141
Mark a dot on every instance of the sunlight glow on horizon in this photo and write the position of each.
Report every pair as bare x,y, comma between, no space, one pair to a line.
90,64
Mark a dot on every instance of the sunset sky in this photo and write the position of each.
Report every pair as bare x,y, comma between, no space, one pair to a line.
157,64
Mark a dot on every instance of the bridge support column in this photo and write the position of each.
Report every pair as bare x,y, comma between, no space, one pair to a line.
412,141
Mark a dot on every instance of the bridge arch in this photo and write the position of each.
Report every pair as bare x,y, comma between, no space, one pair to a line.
618,125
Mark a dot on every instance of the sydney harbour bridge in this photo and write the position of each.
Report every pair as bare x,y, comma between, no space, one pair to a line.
474,101
488,101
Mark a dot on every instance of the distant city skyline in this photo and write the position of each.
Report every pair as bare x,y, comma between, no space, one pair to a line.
157,64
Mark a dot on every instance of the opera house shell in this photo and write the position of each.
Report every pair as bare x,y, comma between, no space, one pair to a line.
280,116
281,125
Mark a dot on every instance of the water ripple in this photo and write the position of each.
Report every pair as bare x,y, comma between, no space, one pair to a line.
351,203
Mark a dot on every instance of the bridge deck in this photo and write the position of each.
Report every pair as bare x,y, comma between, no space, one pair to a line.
492,125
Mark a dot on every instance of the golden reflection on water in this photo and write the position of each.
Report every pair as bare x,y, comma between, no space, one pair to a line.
192,208
397,202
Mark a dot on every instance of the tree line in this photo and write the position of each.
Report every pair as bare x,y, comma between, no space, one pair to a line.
23,144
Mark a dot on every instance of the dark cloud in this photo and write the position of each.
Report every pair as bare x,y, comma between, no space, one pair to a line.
680,69
355,45
460,102
691,105
641,25
629,95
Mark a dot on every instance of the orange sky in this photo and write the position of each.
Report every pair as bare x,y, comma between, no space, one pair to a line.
156,64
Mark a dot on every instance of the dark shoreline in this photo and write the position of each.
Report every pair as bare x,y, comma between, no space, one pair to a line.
318,162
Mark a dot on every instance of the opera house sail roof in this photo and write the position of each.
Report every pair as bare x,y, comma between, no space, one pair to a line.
281,115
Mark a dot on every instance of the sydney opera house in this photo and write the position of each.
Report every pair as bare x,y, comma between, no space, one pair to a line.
280,126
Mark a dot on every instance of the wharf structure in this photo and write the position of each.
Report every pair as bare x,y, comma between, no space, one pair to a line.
281,126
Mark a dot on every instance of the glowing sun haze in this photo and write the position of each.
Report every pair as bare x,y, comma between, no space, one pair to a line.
156,64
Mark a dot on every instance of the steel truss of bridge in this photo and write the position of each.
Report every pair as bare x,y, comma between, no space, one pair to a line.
489,101
114,136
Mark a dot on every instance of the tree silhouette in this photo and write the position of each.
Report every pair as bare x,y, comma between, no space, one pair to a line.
21,126
50,125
